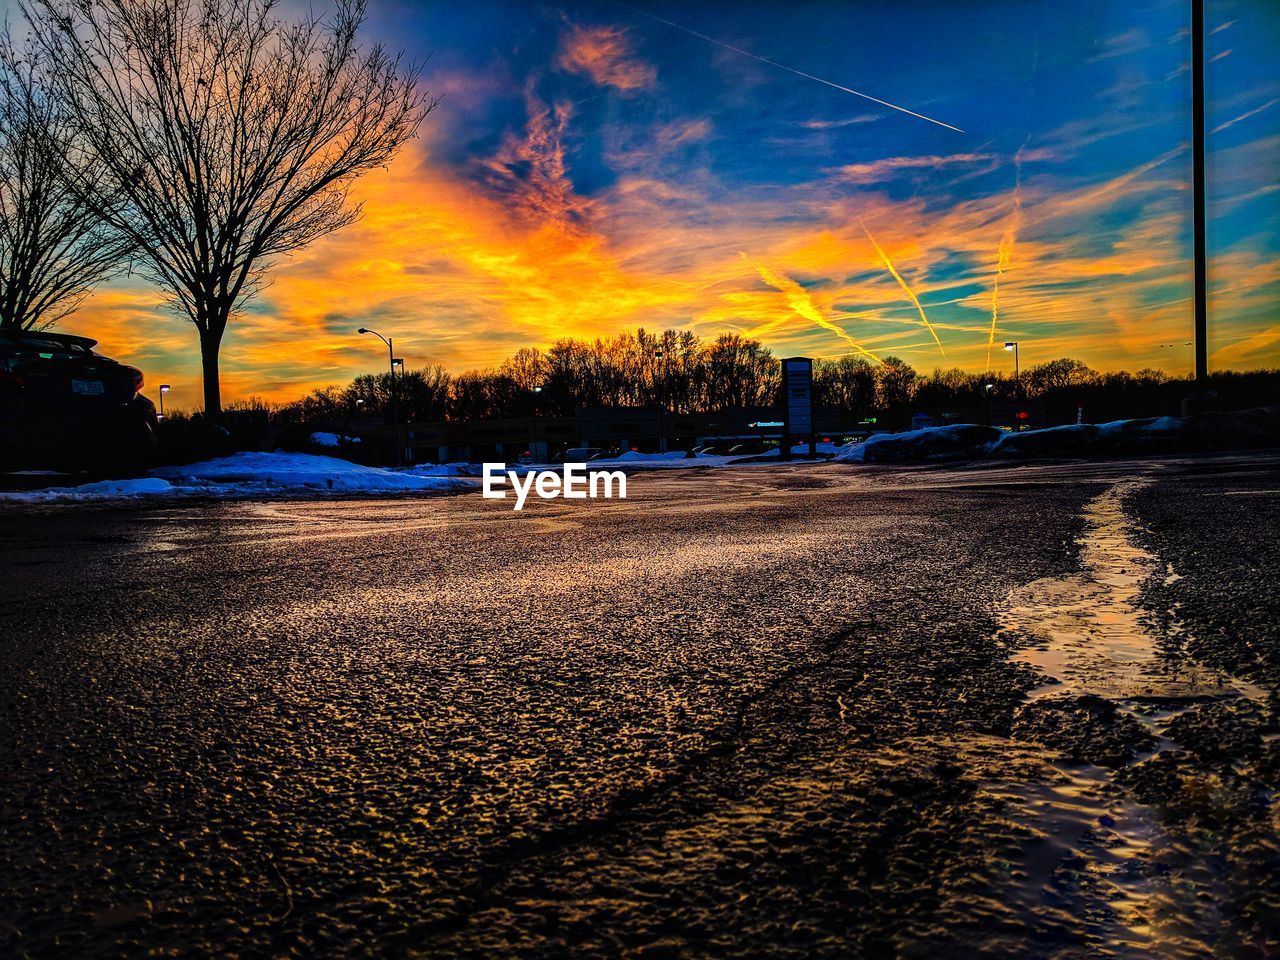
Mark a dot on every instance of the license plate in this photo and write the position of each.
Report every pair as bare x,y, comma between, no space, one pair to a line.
87,388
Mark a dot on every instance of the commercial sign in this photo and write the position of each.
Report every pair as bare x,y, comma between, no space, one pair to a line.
797,403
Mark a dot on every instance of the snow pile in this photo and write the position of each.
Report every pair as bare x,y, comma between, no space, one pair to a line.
1075,439
1205,431
302,472
102,490
251,475
952,442
1202,432
802,450
323,438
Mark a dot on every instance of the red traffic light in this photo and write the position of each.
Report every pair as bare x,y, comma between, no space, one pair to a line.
1023,415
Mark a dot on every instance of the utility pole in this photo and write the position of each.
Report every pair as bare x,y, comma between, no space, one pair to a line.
1198,195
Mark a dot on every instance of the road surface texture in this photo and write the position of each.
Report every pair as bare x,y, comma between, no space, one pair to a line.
790,711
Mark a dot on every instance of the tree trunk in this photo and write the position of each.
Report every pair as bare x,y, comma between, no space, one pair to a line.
210,344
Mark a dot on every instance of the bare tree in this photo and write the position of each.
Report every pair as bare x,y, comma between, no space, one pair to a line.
54,248
228,136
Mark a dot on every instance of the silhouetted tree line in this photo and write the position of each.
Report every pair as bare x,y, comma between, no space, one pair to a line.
682,373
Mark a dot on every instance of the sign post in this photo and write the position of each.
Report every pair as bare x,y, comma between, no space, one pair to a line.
797,404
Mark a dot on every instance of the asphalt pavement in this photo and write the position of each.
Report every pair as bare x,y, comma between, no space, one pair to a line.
760,711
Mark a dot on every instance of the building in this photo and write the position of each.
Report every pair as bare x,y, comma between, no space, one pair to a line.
647,429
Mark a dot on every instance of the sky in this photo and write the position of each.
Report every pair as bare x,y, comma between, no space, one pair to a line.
595,167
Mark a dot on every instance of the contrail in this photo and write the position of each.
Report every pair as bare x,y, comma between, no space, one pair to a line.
783,66
1005,253
1244,116
799,300
905,289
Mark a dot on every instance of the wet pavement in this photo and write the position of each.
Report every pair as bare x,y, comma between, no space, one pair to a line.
772,711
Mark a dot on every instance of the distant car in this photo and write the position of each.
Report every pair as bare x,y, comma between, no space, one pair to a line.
583,454
62,405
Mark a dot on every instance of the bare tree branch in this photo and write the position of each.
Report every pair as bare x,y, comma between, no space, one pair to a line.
218,136
54,247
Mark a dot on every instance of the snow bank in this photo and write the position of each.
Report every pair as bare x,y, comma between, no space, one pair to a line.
1201,432
458,469
88,492
1076,439
952,442
303,472
251,475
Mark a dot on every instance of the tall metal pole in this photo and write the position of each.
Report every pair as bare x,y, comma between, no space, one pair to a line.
661,384
1198,192
395,406
395,398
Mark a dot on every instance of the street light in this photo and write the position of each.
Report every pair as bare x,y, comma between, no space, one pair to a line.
395,404
1017,382
987,391
164,388
662,402
533,443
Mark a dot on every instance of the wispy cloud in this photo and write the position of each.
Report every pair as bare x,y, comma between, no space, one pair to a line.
877,170
1245,116
818,124
605,55
529,171
1123,44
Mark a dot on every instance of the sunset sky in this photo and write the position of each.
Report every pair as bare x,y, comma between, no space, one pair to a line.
592,169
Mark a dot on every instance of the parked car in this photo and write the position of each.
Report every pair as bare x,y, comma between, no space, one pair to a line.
62,405
583,454
749,447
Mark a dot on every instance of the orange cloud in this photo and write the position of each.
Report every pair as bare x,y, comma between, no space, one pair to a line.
603,54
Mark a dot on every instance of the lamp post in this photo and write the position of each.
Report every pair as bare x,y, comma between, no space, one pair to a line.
164,388
395,403
533,443
662,399
1017,380
988,388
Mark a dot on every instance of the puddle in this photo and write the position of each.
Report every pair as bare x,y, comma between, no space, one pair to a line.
1090,635
1100,855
